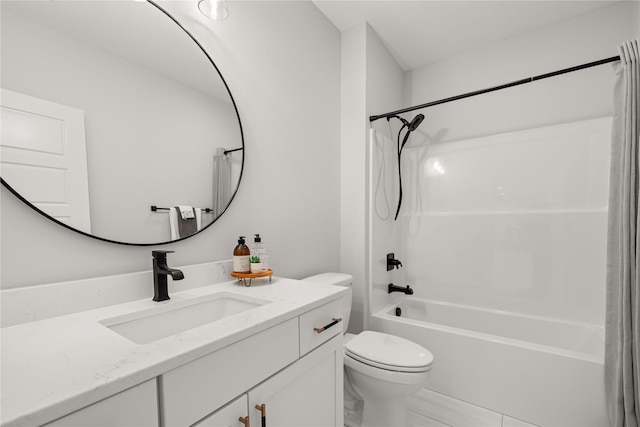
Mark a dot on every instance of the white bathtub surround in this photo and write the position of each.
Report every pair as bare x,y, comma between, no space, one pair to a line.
525,376
28,304
513,222
623,305
55,366
509,231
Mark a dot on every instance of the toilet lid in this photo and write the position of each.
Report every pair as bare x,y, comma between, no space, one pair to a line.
389,352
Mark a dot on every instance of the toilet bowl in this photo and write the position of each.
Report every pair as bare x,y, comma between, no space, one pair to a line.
385,370
381,369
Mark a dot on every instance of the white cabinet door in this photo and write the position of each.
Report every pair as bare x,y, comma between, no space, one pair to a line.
307,393
137,406
231,415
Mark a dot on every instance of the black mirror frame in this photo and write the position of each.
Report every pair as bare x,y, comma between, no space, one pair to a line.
235,107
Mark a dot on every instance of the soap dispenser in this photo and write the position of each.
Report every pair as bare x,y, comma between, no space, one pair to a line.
241,257
258,248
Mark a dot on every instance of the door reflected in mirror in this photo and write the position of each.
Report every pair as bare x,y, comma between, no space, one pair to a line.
160,127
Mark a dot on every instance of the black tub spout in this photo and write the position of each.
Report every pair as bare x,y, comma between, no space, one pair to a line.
406,290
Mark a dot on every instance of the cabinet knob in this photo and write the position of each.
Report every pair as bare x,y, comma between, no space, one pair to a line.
336,320
245,421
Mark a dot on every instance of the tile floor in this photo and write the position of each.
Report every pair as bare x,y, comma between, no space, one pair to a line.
445,411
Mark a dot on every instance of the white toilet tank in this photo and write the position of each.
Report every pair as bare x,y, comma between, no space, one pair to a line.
336,279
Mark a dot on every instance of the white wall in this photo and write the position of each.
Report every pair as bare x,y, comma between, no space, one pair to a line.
288,93
352,167
371,81
384,88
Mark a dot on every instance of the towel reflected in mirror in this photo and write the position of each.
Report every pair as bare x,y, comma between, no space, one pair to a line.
184,221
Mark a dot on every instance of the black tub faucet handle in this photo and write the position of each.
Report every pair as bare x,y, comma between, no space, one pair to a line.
392,262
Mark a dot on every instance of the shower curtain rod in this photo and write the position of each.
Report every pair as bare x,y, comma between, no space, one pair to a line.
494,88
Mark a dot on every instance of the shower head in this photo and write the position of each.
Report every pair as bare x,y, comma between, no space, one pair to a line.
415,122
411,126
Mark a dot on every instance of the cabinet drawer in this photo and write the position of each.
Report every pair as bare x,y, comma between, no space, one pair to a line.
194,390
312,322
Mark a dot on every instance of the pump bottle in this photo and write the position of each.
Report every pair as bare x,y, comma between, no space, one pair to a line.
258,248
241,257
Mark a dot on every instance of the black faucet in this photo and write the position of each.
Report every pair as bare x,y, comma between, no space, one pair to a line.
160,272
394,288
392,262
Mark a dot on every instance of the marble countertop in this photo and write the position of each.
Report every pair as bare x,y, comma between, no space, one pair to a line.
56,366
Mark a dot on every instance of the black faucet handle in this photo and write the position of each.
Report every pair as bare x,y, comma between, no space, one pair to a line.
392,262
161,254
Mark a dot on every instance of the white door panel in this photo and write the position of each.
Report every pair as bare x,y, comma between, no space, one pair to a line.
43,156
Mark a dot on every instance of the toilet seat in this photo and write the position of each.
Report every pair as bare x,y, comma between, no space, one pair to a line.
388,352
385,376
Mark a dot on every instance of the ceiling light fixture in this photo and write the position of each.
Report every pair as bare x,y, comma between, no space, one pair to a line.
214,9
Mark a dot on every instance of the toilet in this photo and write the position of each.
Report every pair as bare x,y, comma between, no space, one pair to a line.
381,371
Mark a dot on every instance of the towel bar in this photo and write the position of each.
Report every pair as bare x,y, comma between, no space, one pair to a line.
154,208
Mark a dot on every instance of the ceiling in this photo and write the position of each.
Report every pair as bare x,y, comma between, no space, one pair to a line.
418,32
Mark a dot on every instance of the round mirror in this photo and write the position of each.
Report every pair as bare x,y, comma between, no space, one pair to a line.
113,116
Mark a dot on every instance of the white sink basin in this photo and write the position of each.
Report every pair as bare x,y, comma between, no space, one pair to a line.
143,327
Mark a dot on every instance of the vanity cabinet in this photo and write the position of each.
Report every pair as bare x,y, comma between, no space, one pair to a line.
307,393
298,380
195,390
137,406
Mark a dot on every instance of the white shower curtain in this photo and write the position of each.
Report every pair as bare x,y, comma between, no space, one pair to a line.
622,342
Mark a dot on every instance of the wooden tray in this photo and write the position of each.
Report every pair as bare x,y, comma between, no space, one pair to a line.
242,277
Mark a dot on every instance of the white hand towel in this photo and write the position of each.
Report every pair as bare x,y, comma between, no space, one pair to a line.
198,212
173,224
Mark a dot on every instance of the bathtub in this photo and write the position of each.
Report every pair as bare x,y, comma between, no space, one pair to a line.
544,371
